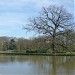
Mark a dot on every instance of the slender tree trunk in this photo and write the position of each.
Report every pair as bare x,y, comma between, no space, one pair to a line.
53,44
53,41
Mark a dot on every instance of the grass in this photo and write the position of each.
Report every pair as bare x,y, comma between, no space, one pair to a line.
44,54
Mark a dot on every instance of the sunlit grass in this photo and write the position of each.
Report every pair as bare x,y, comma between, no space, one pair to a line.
48,54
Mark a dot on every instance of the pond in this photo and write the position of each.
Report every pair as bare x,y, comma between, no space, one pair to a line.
37,65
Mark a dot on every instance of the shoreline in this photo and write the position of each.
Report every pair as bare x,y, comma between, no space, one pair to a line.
38,54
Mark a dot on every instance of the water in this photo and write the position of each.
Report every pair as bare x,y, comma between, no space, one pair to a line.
37,65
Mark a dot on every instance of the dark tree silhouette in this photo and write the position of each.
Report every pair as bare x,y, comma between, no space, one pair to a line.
12,45
53,20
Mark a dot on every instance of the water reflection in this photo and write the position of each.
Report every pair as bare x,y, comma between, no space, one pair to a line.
37,65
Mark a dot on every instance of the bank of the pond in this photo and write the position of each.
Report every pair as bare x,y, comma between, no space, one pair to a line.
44,54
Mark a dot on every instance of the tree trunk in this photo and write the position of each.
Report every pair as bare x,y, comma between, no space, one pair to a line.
53,44
53,40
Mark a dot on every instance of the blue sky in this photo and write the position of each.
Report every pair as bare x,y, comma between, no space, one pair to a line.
14,14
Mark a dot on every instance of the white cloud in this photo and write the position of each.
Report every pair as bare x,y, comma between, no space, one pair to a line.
14,13
11,8
11,21
35,3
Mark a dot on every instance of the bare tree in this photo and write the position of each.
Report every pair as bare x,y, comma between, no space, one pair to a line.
53,20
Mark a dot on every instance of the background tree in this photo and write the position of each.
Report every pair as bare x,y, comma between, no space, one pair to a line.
22,44
12,45
4,42
69,40
53,20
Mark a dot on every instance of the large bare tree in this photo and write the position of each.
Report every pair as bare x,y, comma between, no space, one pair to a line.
53,20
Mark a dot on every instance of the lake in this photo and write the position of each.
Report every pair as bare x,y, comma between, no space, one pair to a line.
37,65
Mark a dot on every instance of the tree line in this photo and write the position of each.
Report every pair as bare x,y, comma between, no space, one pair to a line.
40,44
54,21
55,24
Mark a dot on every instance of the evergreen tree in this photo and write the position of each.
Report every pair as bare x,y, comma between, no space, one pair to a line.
12,45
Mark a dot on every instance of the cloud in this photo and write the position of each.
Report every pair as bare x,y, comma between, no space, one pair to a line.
35,2
20,9
19,5
14,13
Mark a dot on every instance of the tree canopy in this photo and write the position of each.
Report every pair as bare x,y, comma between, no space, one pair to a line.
53,20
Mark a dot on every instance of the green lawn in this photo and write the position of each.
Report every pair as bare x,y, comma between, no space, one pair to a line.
45,54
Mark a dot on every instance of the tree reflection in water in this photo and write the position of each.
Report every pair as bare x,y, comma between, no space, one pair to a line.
40,65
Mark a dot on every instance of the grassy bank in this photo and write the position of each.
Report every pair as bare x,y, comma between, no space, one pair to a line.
44,54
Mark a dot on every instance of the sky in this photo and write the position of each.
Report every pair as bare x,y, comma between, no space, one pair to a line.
14,14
